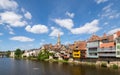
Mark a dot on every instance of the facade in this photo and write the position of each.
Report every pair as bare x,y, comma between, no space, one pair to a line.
110,46
76,53
118,47
107,47
93,46
32,52
117,35
12,54
79,50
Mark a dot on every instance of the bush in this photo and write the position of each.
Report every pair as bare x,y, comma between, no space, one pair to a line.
114,66
103,65
44,55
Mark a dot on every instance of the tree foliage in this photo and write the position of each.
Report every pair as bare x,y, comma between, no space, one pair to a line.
44,54
8,53
18,53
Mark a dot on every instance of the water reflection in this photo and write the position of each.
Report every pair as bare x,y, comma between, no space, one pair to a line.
26,67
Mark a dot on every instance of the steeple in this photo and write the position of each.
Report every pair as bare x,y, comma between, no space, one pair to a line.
58,40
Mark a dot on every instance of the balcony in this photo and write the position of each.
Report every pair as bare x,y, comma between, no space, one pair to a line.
107,49
107,54
92,51
92,44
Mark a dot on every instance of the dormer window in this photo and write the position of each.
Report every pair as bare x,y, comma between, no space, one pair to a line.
105,41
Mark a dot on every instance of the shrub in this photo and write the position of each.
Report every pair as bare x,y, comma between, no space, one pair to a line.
114,66
103,65
44,55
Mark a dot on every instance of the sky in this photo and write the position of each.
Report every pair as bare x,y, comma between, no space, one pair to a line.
28,24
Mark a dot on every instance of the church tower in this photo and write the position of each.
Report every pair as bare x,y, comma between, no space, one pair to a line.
58,40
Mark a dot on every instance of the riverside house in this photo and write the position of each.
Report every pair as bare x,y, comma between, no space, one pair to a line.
110,46
79,50
93,46
107,47
31,52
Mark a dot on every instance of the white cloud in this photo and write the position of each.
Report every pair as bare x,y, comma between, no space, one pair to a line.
107,8
8,4
88,28
12,19
22,39
108,12
23,10
37,29
11,31
28,15
55,32
71,15
100,1
113,31
67,23
106,23
1,34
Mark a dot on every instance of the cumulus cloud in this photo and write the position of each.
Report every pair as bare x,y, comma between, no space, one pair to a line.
66,23
37,29
28,15
8,4
71,15
113,31
55,32
100,1
88,28
22,39
12,19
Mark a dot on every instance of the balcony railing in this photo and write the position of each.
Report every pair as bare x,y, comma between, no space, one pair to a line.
107,54
93,51
92,44
107,49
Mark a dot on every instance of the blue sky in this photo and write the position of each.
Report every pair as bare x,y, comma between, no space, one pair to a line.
29,24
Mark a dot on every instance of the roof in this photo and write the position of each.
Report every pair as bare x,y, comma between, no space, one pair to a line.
110,38
107,45
94,38
81,45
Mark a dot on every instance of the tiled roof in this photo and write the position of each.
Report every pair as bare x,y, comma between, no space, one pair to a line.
107,45
108,37
80,45
94,38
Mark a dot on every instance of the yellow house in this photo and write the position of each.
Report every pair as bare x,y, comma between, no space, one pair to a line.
76,53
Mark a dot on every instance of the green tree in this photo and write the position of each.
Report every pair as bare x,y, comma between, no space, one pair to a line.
8,53
44,54
18,53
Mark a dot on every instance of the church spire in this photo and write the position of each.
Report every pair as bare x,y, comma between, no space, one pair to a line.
58,40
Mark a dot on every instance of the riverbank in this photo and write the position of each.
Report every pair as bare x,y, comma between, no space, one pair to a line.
102,64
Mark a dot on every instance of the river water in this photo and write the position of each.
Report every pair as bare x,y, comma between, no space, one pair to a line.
9,66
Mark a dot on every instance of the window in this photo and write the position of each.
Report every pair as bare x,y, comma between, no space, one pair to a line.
118,40
76,54
105,40
118,46
118,52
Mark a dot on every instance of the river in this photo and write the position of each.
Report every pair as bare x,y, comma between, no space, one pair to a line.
9,66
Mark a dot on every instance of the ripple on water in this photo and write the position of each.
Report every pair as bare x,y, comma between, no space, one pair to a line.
35,68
